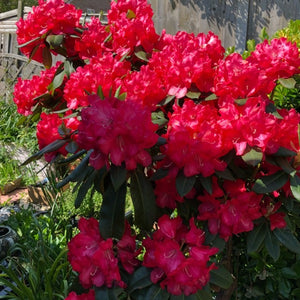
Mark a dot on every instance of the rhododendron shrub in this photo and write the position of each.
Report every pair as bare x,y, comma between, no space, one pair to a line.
192,136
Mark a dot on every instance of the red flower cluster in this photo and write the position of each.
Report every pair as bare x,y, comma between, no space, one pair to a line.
196,140
105,72
92,42
47,132
124,131
27,90
230,210
185,60
178,256
131,25
51,17
97,260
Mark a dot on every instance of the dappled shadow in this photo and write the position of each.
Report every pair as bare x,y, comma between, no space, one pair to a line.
230,13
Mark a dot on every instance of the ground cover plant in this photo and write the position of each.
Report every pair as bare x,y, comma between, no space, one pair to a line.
210,162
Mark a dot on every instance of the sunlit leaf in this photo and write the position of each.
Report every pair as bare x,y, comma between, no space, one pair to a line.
288,83
253,157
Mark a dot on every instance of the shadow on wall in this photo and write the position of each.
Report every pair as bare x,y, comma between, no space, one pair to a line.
257,13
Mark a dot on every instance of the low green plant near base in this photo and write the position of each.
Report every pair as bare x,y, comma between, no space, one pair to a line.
38,268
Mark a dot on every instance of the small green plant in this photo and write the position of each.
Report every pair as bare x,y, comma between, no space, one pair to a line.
37,268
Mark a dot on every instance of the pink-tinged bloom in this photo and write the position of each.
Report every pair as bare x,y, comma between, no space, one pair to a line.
230,213
86,296
196,139
93,40
104,72
96,259
118,131
131,25
178,257
278,58
27,90
47,132
51,17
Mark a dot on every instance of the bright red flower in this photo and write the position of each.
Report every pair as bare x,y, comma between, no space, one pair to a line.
230,213
93,40
51,17
178,257
104,72
26,90
97,260
47,132
118,131
185,60
196,139
279,58
131,25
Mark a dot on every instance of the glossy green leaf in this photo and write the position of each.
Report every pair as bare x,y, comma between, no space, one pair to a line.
112,212
193,95
142,55
256,237
226,174
272,245
287,239
72,147
221,277
55,40
167,100
253,157
295,186
207,184
139,279
211,97
155,292
203,294
84,187
270,183
284,164
143,200
77,173
47,58
241,102
284,152
105,293
289,273
49,148
118,175
57,81
288,83
184,184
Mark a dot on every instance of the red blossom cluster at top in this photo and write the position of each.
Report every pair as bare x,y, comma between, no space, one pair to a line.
51,17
